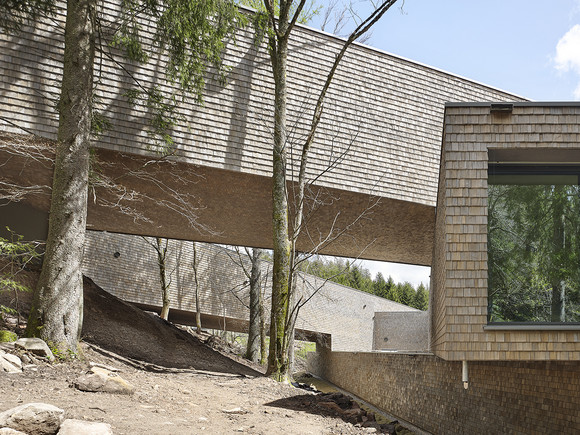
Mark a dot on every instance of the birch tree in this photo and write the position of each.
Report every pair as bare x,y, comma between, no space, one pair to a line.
281,18
195,267
161,246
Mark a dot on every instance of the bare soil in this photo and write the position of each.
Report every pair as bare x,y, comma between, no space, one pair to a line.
209,391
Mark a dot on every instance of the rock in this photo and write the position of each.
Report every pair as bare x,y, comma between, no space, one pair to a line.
33,418
354,414
331,406
235,411
35,346
10,363
7,336
344,402
10,431
102,380
13,359
103,366
372,424
76,427
389,428
8,345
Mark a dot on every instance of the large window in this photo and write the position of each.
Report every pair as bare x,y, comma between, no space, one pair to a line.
533,243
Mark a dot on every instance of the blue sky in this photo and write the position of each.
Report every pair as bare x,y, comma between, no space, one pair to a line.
530,48
507,44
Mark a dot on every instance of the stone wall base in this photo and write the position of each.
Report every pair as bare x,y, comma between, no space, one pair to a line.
503,397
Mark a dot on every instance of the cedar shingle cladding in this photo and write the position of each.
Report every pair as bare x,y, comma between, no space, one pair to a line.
459,283
389,109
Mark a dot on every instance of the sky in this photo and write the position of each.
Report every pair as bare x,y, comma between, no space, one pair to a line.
529,48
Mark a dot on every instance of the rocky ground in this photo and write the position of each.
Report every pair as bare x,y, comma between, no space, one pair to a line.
181,385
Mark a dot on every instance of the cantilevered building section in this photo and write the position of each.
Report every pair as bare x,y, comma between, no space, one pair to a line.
381,132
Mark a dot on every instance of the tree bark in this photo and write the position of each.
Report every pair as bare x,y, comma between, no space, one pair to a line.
253,346
283,241
263,346
277,358
196,282
57,309
161,256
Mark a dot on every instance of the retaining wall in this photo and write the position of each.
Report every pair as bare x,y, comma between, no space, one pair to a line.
503,397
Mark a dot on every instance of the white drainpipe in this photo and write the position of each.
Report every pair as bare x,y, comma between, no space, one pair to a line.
465,375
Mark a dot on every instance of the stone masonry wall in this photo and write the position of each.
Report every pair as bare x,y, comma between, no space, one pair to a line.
426,391
459,278
344,313
389,110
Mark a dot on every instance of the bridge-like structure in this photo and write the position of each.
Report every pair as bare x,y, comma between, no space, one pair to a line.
380,135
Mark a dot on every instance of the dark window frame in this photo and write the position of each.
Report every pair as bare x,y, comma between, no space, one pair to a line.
530,168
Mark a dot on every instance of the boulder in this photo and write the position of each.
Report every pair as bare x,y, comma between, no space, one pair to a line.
33,419
35,346
10,431
102,380
76,427
10,363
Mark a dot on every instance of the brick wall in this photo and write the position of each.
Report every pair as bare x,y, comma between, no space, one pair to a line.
503,397
459,283
344,313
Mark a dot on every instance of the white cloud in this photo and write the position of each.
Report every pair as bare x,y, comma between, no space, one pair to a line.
399,272
568,54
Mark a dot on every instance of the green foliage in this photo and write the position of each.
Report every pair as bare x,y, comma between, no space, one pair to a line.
14,14
99,121
309,11
7,336
421,300
61,353
303,348
193,35
164,114
407,293
353,275
18,254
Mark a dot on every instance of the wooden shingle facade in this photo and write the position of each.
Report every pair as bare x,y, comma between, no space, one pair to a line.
472,133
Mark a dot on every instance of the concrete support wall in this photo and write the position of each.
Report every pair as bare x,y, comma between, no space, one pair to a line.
503,397
401,331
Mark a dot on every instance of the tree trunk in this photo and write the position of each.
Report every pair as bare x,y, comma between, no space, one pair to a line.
277,358
161,255
263,347
253,347
57,310
558,248
196,282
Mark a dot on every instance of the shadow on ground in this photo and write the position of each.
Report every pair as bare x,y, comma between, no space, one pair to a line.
334,405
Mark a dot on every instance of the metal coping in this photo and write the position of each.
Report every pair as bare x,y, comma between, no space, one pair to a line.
516,104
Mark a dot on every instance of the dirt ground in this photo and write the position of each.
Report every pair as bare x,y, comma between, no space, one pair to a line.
215,392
